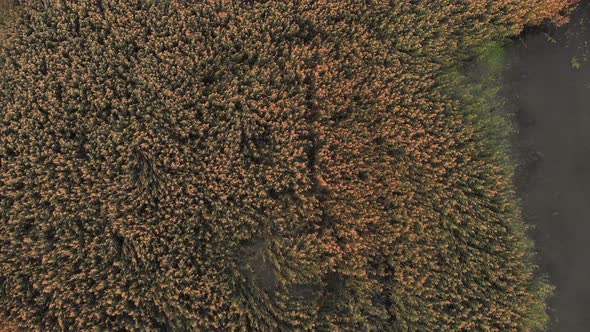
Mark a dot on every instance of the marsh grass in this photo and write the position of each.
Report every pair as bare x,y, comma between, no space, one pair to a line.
491,59
350,208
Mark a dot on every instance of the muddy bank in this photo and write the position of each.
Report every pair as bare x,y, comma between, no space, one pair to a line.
549,85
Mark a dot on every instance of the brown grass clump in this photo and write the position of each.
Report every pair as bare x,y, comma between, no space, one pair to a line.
7,326
255,165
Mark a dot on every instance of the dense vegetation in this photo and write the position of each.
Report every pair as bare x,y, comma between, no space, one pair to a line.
258,165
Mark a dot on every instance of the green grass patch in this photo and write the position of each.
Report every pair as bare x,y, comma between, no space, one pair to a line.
477,87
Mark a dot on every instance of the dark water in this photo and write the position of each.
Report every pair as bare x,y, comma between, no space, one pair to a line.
552,102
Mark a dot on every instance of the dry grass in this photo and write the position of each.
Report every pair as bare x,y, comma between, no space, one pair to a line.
6,326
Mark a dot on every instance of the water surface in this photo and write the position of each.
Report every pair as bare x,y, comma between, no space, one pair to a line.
552,100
